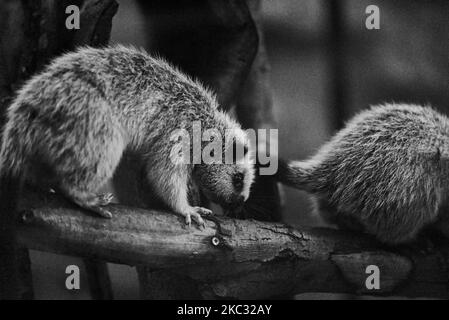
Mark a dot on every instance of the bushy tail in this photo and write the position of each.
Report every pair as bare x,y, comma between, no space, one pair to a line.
11,171
296,174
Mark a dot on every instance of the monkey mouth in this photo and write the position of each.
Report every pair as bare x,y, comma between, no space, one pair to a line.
233,212
233,208
229,205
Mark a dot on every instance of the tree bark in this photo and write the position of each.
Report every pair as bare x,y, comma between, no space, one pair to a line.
21,48
31,33
254,109
235,258
100,286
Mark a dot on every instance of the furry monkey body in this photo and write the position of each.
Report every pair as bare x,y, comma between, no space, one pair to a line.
86,108
386,172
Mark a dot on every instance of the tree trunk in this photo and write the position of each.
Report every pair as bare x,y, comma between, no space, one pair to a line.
31,33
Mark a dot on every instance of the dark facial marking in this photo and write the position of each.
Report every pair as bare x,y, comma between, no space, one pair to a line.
237,181
438,154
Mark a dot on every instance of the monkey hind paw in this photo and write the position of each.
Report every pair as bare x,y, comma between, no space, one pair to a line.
105,199
100,211
203,211
95,204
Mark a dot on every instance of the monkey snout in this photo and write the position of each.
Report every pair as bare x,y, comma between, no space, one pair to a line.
234,207
237,202
238,180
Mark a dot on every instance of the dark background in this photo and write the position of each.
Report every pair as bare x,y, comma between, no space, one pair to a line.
320,77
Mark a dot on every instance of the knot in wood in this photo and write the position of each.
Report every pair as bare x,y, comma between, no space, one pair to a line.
215,241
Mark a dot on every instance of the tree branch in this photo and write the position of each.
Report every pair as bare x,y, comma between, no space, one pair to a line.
235,258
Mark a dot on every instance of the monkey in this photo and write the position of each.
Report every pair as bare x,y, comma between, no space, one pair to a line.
74,120
386,173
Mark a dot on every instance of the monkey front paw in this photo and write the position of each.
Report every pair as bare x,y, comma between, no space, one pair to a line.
195,214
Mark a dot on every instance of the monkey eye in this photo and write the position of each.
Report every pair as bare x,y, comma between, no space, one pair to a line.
237,147
438,154
237,181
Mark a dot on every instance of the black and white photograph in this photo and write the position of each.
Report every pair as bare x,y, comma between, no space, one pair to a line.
245,151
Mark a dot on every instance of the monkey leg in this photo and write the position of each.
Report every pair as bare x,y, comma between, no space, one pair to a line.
390,226
81,185
172,188
82,182
87,164
92,202
89,201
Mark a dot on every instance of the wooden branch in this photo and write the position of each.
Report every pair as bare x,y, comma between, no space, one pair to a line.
26,290
236,258
158,284
100,286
